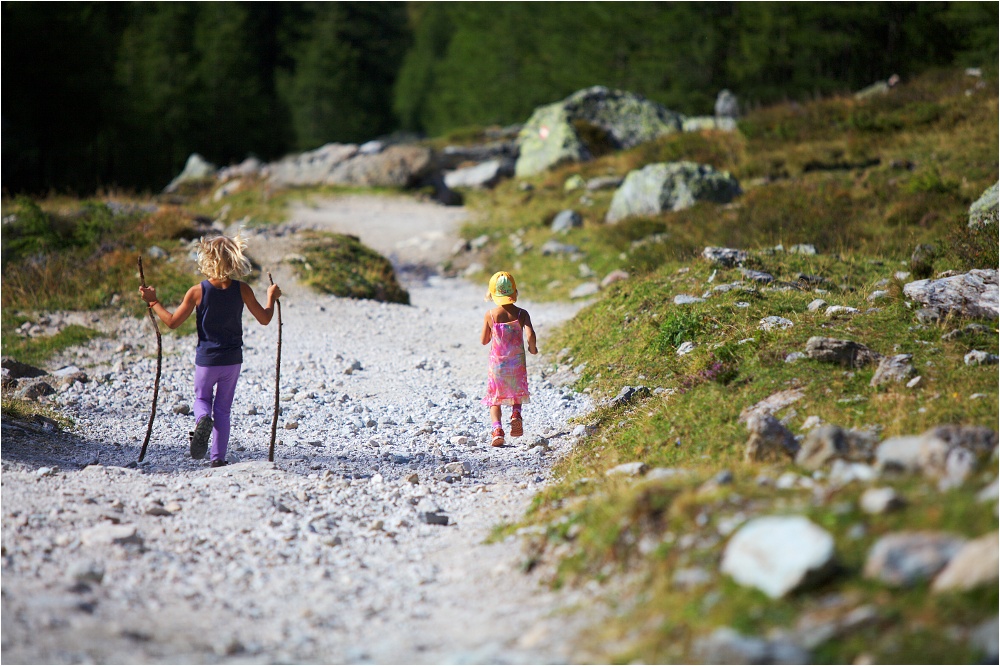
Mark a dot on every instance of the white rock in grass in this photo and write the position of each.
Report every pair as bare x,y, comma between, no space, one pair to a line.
775,323
880,500
841,310
685,348
778,554
815,305
684,299
976,357
975,565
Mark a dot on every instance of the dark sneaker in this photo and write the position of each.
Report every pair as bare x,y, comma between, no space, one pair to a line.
200,436
218,463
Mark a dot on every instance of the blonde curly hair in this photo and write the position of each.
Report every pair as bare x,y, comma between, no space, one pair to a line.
222,258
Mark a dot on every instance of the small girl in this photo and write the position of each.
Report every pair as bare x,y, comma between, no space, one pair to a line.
218,305
506,326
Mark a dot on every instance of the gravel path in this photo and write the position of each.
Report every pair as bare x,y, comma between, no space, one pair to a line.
327,554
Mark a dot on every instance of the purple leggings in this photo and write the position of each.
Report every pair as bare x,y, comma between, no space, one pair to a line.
205,380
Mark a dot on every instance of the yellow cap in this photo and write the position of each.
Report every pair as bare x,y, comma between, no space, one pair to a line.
503,290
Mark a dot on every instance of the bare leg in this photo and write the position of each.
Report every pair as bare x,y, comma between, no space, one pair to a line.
495,414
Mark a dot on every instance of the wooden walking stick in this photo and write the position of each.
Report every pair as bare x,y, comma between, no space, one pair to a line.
159,367
277,381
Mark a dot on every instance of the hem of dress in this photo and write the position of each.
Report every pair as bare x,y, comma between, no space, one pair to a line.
509,402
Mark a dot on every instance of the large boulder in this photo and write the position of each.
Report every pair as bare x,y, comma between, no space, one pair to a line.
196,168
396,166
976,564
623,119
779,554
311,167
668,186
972,294
983,211
893,370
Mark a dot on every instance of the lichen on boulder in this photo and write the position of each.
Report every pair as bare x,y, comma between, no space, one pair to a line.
669,186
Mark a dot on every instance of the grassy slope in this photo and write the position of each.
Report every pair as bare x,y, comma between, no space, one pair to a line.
937,152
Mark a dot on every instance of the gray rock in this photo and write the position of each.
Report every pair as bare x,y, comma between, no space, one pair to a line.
881,500
684,299
396,166
585,290
907,558
106,535
184,408
922,260
983,211
972,294
727,105
975,565
724,256
893,370
846,353
968,330
433,517
928,315
87,571
829,442
985,637
775,323
816,304
670,186
614,276
628,469
802,248
841,311
931,452
549,137
795,356
486,174
196,168
759,277
769,439
555,247
710,123
627,395
156,252
35,391
604,183
779,554
566,220
976,357
878,295
727,646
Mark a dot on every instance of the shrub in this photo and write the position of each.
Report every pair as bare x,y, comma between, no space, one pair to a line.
679,327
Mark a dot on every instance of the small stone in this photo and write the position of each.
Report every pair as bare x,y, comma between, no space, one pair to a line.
412,477
727,646
841,311
907,558
816,305
893,370
182,408
916,382
585,290
612,277
976,357
291,425
460,440
881,500
724,256
795,356
774,323
106,535
86,572
778,554
684,299
685,348
156,509
628,469
878,295
975,565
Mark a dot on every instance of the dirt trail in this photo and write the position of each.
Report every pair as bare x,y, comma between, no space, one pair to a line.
322,556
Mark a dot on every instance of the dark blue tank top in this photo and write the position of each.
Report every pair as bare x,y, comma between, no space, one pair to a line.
220,325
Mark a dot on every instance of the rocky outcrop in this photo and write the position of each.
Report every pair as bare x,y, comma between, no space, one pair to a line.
894,370
195,169
396,166
725,256
669,186
829,442
907,558
983,211
485,174
769,439
949,453
623,120
972,294
312,167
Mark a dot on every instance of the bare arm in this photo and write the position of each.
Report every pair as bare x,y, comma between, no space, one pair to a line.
529,332
183,311
486,334
261,314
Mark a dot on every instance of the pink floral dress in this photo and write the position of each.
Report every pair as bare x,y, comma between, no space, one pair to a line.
508,376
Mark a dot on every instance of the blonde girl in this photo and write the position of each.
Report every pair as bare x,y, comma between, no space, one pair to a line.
218,306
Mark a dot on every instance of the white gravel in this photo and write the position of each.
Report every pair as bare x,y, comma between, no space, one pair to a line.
323,555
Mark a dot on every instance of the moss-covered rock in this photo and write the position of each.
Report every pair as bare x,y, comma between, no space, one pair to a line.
619,119
668,186
983,211
342,265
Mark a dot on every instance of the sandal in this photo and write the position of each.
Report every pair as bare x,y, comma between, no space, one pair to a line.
497,437
516,425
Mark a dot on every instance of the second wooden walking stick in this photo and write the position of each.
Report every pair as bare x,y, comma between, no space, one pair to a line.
277,381
159,367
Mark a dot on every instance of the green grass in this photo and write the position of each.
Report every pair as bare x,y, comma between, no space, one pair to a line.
864,182
340,264
35,351
874,177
